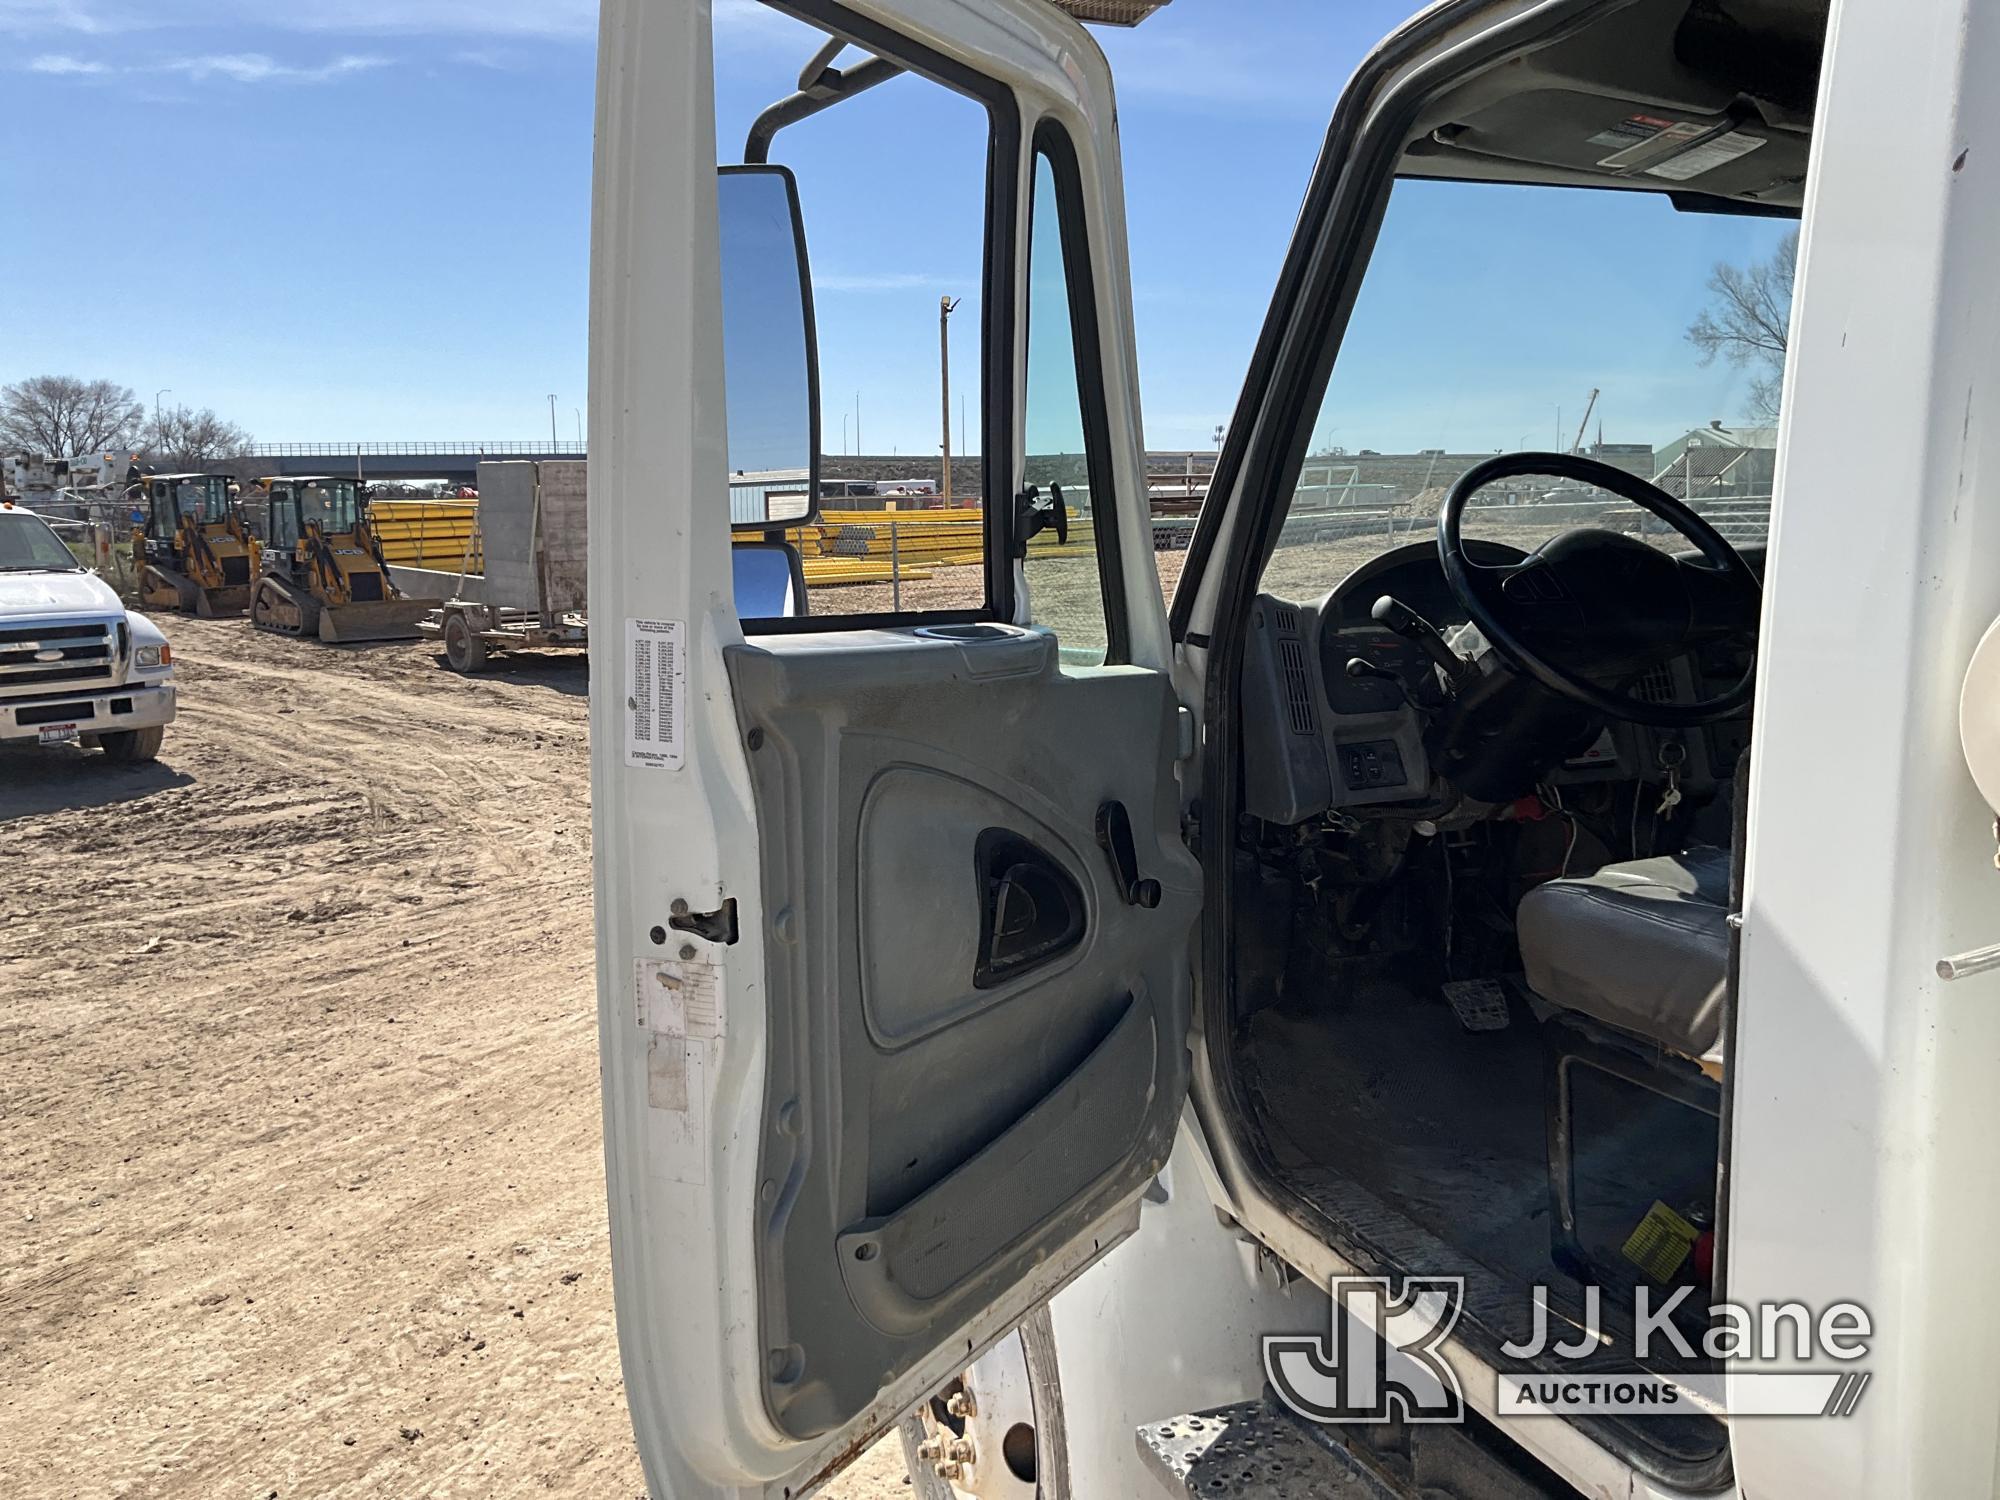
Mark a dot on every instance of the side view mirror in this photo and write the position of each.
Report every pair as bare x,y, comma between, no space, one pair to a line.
770,352
770,580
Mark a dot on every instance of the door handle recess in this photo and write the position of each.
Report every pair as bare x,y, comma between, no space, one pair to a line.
1114,837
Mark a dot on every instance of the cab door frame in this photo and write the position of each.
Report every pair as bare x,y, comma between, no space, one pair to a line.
690,1121
1256,471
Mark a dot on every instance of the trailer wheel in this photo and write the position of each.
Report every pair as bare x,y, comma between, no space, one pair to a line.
133,746
463,650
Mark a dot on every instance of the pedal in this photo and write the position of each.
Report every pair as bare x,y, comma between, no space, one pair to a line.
1479,1004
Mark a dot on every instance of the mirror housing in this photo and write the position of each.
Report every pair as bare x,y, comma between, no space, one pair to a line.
1979,716
770,351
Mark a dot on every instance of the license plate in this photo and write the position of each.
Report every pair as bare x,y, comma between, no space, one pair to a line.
58,734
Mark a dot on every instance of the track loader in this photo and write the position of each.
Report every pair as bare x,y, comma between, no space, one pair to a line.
324,573
190,546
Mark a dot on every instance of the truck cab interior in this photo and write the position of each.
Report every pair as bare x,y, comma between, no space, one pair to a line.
1484,700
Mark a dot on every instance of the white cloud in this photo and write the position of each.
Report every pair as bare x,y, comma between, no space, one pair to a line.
61,65
255,67
493,59
496,18
539,19
33,17
236,67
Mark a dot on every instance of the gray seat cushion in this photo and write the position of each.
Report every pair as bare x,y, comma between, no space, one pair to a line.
1642,946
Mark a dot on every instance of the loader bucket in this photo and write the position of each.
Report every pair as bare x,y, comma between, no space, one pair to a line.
231,599
377,620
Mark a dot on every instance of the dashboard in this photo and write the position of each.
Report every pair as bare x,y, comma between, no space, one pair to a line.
1317,738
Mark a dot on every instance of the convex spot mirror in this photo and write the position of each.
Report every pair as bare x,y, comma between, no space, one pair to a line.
770,581
770,352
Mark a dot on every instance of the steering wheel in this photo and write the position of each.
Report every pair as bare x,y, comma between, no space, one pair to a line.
1602,596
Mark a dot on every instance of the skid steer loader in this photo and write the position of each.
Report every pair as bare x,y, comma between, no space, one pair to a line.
324,572
190,546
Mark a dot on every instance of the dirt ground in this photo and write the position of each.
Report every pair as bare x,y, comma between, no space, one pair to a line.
301,1191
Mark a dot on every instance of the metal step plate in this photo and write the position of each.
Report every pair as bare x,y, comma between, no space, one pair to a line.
1250,1452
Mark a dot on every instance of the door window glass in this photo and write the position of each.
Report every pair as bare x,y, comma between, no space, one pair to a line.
1065,581
893,185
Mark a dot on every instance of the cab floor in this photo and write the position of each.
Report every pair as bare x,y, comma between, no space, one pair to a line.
1384,1088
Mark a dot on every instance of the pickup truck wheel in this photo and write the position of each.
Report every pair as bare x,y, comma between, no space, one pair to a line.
132,746
463,650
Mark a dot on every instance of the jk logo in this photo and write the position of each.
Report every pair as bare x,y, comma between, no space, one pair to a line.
1379,1361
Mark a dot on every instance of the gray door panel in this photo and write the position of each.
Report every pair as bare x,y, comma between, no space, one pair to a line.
940,1125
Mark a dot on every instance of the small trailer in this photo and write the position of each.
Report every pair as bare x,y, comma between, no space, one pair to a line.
533,596
472,632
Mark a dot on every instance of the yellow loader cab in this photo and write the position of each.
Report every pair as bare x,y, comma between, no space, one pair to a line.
324,573
190,545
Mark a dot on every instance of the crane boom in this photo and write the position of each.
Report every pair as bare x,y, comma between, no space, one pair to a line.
1588,407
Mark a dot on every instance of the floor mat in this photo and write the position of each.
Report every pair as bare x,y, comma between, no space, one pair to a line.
1445,1125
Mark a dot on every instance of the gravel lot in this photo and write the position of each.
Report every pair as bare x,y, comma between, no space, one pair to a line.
301,1191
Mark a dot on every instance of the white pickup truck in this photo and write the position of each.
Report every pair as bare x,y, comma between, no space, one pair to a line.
75,664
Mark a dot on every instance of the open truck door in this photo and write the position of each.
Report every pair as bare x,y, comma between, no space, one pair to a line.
893,911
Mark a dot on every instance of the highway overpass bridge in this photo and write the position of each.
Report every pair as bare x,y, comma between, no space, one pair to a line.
454,461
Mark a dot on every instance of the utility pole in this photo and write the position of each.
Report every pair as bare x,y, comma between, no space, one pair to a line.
946,306
554,442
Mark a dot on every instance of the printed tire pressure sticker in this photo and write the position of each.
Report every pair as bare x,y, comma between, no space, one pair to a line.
655,692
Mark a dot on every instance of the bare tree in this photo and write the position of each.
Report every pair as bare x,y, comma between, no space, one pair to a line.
1746,323
59,416
186,441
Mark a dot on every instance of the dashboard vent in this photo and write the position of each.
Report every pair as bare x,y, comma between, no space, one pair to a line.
1298,687
1656,685
1285,619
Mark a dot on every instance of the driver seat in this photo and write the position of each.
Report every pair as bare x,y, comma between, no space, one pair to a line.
1640,947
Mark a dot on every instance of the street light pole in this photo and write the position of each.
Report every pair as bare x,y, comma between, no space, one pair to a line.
946,305
553,440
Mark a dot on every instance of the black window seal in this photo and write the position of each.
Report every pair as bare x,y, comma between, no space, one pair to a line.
1052,144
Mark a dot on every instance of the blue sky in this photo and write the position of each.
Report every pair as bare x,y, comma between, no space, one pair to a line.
368,220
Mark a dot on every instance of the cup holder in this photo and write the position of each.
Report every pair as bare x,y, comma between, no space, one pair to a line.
978,631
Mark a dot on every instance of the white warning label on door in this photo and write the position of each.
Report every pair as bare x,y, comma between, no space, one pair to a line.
655,692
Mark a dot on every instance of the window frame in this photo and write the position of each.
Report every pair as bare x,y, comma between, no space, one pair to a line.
1004,151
